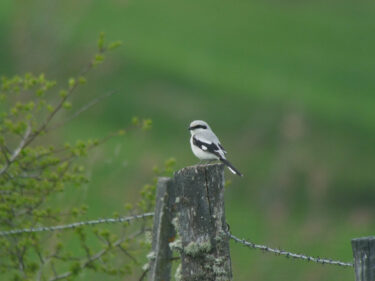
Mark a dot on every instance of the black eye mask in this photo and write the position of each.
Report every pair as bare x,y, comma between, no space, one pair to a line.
198,127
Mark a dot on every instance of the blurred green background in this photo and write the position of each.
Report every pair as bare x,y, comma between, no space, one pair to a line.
287,85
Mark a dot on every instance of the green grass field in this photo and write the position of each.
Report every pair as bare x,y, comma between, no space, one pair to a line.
287,85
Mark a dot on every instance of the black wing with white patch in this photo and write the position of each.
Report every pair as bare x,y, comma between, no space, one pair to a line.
207,146
222,148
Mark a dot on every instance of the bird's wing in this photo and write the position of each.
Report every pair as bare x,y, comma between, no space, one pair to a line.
209,146
222,148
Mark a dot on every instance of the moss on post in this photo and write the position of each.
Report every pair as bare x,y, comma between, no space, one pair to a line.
201,224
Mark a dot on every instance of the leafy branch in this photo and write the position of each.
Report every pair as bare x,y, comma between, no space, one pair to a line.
32,172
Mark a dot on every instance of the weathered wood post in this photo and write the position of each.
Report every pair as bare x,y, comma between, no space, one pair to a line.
364,258
201,225
163,232
194,197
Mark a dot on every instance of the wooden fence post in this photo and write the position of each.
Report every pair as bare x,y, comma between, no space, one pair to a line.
163,232
191,204
200,223
364,258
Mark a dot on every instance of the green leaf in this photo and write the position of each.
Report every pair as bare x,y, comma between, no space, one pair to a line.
146,124
50,108
98,59
135,121
82,80
67,105
114,45
63,93
71,82
101,41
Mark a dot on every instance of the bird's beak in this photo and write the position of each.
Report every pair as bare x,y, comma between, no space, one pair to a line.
189,128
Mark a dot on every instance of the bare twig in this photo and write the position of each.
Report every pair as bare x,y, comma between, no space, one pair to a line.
43,262
144,273
82,109
69,158
60,104
128,254
53,268
90,259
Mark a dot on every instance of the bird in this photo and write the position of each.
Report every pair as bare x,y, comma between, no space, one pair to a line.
206,145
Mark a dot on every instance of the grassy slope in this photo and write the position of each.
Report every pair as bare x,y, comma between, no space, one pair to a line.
272,52
245,66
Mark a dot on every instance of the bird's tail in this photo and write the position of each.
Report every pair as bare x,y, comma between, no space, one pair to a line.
231,167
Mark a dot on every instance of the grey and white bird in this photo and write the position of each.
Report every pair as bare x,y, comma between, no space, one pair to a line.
206,145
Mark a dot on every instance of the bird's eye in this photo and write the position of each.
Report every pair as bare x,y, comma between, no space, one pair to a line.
201,127
198,127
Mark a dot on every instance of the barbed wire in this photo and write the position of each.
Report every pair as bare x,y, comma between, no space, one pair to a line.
289,254
75,224
244,242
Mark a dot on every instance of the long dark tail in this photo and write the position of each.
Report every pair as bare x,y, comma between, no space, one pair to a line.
231,167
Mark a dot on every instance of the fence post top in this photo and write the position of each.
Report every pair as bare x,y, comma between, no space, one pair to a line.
163,179
200,167
362,239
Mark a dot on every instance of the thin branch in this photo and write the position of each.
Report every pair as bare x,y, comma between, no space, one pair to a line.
53,268
43,262
69,158
61,103
82,109
91,259
127,254
18,150
144,273
44,154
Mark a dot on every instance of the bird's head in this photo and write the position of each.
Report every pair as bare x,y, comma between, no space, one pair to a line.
198,126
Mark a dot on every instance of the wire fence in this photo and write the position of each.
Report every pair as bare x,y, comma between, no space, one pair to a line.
288,254
75,224
246,243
